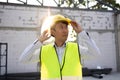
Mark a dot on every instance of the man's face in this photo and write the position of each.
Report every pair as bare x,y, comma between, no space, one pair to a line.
60,31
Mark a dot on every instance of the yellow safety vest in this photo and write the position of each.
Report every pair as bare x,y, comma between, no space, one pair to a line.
70,69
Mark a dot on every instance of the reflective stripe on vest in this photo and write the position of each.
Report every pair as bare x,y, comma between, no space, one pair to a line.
51,68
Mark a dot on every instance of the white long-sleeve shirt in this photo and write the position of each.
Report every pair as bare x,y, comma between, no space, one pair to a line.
87,48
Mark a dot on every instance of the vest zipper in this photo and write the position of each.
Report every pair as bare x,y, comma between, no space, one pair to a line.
61,67
60,73
59,63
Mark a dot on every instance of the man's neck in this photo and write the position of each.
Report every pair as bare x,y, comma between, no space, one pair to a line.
59,44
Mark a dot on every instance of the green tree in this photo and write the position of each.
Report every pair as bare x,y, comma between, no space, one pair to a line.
72,3
104,4
99,4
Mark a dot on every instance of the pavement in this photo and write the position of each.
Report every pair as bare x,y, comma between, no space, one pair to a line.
111,76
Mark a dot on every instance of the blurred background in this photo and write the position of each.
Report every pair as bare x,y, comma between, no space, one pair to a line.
20,25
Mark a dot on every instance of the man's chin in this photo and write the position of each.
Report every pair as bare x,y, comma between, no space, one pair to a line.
64,40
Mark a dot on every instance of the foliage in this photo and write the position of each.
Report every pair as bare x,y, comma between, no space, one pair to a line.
100,4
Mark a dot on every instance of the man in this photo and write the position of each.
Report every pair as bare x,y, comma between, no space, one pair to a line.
62,60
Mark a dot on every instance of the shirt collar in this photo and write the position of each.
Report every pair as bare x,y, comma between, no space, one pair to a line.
64,45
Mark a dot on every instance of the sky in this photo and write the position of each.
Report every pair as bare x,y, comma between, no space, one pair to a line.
46,2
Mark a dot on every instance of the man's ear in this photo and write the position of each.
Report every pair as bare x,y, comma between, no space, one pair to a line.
52,32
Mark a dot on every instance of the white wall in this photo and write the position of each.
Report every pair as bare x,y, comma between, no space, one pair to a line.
118,21
17,25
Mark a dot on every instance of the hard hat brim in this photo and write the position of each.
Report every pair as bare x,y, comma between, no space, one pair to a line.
59,18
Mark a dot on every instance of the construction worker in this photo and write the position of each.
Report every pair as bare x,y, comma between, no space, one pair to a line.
62,60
